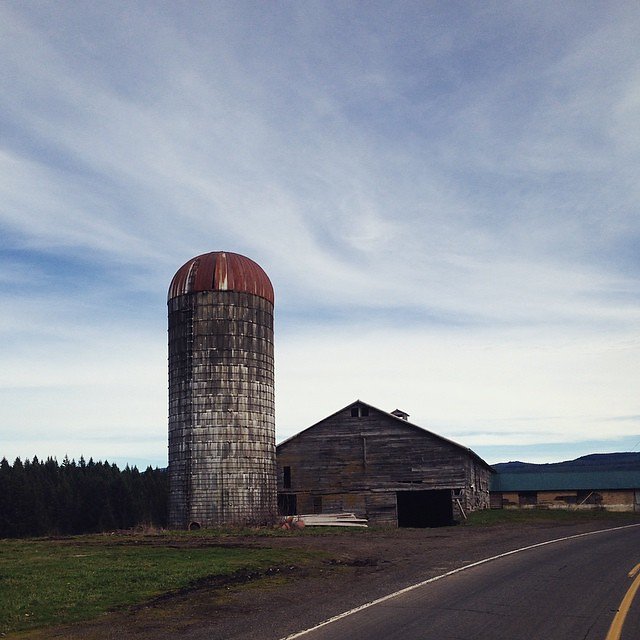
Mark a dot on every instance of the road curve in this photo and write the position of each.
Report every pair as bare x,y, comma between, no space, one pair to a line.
564,590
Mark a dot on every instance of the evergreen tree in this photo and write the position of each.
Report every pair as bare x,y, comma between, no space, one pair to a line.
46,498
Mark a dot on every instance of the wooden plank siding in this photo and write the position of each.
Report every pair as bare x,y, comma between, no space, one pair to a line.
610,500
358,463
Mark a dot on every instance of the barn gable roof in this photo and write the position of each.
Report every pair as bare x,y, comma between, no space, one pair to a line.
401,422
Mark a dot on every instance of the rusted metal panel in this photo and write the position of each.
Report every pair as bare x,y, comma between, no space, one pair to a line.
221,271
205,272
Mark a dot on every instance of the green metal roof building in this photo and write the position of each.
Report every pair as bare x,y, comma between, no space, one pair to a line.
612,490
565,481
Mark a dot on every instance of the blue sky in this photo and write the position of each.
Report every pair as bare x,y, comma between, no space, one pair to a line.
445,196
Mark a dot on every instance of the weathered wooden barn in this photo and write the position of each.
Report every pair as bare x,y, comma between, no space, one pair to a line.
381,467
611,490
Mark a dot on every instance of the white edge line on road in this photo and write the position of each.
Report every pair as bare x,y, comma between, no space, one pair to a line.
298,634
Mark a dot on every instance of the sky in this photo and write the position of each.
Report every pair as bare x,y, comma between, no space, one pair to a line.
445,196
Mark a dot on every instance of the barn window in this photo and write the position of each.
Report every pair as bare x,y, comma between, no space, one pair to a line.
317,504
354,412
286,477
359,412
526,498
364,411
588,497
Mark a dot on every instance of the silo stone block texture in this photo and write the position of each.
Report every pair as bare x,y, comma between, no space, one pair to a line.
222,468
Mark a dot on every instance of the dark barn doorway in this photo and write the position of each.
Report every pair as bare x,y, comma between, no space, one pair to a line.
287,504
425,508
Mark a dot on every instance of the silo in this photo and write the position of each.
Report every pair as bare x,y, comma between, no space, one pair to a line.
221,393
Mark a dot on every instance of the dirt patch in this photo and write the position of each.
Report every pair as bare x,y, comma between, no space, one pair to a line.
241,577
354,567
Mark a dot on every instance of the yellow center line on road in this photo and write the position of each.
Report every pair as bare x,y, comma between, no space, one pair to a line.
615,630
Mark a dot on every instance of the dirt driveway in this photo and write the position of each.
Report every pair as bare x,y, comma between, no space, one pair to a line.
356,568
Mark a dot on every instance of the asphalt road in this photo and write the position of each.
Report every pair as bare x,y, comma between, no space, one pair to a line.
567,590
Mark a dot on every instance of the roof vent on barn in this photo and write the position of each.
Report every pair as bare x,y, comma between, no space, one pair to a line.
400,414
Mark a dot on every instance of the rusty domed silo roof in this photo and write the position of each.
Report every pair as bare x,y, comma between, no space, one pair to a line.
221,271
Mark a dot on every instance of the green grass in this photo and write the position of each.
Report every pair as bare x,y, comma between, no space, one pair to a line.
44,582
47,582
560,516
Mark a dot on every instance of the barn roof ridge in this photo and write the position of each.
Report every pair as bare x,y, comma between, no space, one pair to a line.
401,421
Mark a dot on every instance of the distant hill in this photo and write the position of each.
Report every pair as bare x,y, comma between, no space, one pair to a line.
593,462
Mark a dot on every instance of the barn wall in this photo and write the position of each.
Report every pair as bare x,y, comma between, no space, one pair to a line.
358,463
613,500
618,500
496,500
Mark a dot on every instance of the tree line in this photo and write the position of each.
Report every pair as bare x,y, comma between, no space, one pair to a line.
39,498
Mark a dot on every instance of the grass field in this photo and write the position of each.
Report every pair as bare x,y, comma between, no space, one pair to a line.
46,582
523,516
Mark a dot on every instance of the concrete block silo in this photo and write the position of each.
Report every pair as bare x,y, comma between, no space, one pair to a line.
222,466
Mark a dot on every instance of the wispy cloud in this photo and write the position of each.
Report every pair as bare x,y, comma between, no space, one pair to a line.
445,200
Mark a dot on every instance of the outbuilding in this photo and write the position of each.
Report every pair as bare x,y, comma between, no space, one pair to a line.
612,490
381,467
